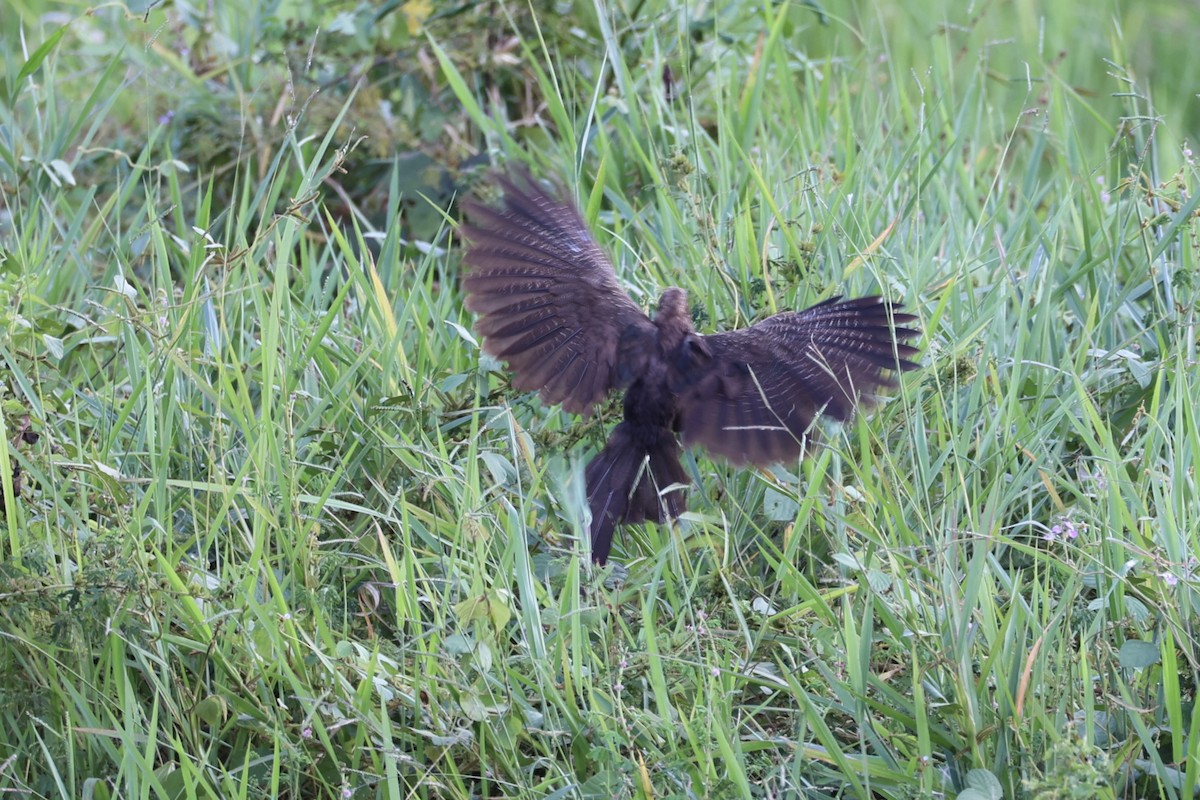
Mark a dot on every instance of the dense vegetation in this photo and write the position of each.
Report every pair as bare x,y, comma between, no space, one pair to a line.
273,526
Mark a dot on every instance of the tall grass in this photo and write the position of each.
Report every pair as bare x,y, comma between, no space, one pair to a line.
279,528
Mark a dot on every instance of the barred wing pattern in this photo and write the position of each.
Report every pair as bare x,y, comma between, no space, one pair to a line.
548,299
752,395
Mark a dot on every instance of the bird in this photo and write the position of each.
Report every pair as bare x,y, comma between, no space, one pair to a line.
548,303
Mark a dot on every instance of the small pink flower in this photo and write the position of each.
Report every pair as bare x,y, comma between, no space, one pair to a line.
1065,527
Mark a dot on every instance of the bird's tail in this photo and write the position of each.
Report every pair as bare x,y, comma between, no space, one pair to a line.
628,481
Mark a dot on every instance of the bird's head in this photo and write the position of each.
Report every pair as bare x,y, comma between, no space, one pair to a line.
672,305
673,318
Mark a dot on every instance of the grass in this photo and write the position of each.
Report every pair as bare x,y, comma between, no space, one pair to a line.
278,528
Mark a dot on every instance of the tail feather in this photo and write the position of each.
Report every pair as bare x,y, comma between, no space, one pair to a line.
626,482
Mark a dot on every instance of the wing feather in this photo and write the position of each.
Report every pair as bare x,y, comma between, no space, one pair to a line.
754,394
548,299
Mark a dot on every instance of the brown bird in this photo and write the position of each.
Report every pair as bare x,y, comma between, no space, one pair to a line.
549,304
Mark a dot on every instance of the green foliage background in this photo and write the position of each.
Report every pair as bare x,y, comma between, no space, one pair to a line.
273,527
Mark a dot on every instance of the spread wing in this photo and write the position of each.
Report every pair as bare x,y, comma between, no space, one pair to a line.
752,395
548,299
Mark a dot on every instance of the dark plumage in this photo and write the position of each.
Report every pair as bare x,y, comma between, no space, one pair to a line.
549,304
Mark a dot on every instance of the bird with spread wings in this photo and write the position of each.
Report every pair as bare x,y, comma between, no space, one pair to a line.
550,306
